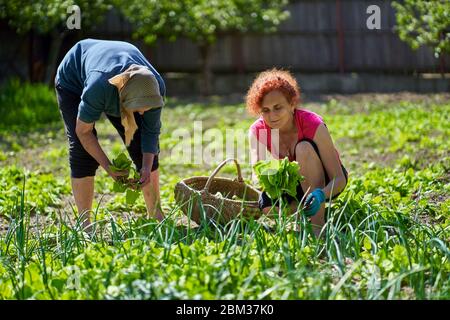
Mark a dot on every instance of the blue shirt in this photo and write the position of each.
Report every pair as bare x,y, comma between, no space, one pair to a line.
85,71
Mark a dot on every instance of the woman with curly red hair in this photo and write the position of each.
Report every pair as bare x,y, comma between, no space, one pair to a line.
284,130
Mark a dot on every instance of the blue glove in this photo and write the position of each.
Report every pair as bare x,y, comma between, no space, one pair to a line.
313,202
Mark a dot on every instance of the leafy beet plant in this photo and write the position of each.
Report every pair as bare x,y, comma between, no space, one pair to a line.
278,177
125,183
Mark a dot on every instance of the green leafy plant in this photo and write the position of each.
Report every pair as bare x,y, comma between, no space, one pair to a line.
120,163
124,183
386,235
278,177
26,107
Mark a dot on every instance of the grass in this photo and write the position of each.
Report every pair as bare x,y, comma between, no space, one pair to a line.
27,106
386,236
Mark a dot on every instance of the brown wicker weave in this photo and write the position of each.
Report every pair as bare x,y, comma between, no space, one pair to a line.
189,191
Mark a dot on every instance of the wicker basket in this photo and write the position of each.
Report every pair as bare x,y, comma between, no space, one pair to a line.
197,195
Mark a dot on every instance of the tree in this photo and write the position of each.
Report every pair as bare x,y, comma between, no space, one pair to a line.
421,22
50,17
202,21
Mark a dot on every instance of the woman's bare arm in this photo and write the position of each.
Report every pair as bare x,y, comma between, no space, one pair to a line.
330,161
85,133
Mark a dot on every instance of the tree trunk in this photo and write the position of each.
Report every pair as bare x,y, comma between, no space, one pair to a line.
55,45
30,55
442,65
442,55
205,53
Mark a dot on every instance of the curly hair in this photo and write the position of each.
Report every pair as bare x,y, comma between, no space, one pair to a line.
268,81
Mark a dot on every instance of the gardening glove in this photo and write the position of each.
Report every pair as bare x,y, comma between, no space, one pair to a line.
313,202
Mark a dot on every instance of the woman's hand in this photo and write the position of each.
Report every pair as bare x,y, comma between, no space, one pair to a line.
116,174
313,202
145,176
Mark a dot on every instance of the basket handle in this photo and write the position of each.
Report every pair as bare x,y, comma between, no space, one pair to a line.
214,173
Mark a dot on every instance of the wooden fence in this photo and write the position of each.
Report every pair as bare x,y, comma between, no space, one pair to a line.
321,36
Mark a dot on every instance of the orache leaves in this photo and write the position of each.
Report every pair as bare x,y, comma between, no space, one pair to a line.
120,163
278,176
123,184
391,224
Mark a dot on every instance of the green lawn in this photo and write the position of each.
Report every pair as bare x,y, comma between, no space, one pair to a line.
387,236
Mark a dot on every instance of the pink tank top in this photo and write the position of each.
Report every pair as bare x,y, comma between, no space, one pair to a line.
307,123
